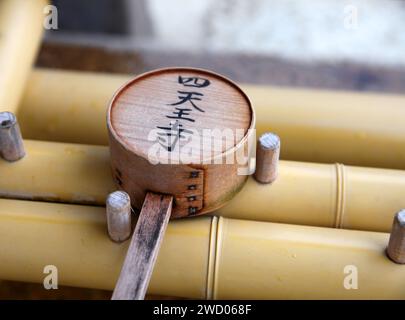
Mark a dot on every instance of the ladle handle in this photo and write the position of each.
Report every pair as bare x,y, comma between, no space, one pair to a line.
137,270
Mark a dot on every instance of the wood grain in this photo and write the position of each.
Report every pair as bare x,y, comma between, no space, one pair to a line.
203,179
143,250
147,102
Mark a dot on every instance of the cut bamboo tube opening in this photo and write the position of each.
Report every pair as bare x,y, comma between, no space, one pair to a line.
396,245
267,157
11,143
118,207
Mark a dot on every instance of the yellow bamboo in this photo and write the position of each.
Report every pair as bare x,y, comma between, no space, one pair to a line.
320,126
20,33
304,193
58,172
323,195
201,257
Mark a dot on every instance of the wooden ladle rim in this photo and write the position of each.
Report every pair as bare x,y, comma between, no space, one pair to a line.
132,149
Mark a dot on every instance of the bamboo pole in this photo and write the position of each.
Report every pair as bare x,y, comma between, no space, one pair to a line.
59,172
83,103
200,258
304,193
351,128
20,34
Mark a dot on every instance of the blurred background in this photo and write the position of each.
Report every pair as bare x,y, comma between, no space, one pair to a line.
340,44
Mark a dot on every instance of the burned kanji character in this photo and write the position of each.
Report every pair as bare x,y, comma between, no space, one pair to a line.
181,114
188,96
194,82
171,135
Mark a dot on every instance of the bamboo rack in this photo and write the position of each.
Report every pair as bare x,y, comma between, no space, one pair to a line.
319,126
207,257
304,193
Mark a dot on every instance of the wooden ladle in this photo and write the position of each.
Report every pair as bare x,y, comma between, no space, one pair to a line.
180,143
